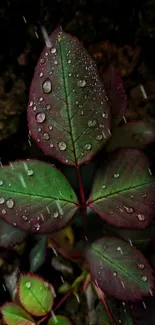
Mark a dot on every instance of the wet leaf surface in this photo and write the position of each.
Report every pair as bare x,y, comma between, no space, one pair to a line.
14,314
123,192
120,269
68,111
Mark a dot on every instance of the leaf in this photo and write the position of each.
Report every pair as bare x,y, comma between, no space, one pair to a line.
14,314
10,235
35,294
135,134
68,111
36,196
115,90
123,192
38,254
119,269
59,320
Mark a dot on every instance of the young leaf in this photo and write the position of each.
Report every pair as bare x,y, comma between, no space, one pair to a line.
10,235
38,254
68,111
123,192
35,294
119,269
36,196
135,134
115,90
59,320
14,314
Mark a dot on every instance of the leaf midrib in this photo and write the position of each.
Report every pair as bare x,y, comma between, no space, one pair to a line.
120,191
116,265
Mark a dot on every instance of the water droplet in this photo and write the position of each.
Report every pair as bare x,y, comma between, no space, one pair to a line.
116,175
69,74
40,99
3,211
105,115
114,273
31,104
48,106
41,74
46,136
69,61
99,137
144,278
40,117
56,214
28,284
81,83
103,186
53,50
62,145
47,86
144,195
2,200
55,62
30,172
141,217
51,145
92,123
81,112
50,127
87,146
1,182
36,226
10,203
128,209
24,218
141,266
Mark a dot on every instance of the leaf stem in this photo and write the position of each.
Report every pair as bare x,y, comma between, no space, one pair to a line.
83,201
102,298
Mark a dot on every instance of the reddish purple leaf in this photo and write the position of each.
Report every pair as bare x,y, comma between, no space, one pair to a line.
119,269
123,193
115,90
36,197
68,111
135,134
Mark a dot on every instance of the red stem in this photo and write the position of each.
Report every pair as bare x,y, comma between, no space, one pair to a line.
83,202
102,298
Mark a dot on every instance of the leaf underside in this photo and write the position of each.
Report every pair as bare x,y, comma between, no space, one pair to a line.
36,197
35,294
15,315
123,193
10,235
68,111
120,269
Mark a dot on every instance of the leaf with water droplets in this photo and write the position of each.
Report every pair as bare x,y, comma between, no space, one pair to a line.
38,254
14,314
37,196
10,235
59,320
127,197
68,111
134,134
119,269
115,90
35,295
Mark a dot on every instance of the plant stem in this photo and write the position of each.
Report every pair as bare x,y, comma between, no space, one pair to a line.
82,195
102,298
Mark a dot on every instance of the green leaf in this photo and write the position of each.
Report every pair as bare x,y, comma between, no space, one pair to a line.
120,269
10,235
36,196
15,315
35,294
123,192
59,320
68,111
38,254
